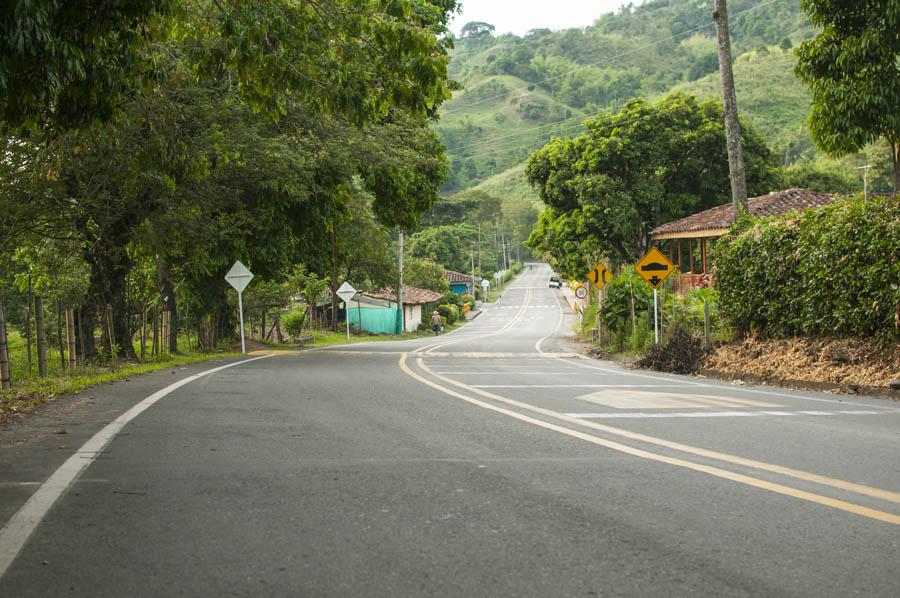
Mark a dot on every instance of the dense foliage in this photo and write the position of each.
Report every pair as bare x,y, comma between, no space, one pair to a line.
645,165
853,70
829,271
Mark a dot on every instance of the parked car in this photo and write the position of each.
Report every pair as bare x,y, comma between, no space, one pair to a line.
555,283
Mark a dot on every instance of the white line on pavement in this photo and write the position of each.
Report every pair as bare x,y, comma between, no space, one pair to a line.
19,528
657,415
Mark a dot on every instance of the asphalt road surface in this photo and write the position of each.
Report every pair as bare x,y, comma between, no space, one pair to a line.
489,461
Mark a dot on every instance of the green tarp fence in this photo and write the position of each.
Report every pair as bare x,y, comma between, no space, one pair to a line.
377,320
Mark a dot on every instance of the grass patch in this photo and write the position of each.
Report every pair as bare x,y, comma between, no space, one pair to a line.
30,393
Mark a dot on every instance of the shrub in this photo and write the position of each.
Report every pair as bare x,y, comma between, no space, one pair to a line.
449,312
680,353
829,271
466,299
294,320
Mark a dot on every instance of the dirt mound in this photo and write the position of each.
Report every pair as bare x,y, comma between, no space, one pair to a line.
850,361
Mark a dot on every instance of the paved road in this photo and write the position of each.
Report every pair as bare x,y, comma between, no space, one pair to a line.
485,462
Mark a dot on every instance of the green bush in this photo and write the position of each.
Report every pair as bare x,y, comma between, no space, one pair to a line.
449,312
830,271
516,267
293,321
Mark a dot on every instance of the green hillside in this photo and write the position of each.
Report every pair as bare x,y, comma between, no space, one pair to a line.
517,92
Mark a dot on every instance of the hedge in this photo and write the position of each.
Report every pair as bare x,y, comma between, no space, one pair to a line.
832,271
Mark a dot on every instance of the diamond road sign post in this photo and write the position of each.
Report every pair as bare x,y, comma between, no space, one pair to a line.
239,277
346,293
654,267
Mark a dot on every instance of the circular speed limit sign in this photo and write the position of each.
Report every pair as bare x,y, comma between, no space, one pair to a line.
581,292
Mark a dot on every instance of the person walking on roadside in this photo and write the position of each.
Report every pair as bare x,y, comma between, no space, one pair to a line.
436,323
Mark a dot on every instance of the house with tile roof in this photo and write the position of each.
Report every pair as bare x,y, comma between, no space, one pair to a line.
461,284
415,302
689,242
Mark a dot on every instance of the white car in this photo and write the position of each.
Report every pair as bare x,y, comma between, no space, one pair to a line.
555,283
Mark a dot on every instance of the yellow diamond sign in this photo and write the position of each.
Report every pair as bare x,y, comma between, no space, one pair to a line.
654,267
600,275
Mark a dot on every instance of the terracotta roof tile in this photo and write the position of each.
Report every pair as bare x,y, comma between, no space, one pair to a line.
452,276
411,295
773,204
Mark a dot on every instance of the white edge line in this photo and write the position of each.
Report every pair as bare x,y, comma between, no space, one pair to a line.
21,525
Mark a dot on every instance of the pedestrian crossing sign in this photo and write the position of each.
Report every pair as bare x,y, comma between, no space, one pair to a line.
654,267
600,275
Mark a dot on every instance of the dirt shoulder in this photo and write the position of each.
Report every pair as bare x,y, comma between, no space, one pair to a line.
849,362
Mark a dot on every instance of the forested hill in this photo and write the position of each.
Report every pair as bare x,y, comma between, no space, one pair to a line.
517,92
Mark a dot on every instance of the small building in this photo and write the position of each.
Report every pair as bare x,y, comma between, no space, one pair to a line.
689,242
415,301
461,284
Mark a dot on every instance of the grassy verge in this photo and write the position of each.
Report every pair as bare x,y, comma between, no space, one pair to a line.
30,393
327,339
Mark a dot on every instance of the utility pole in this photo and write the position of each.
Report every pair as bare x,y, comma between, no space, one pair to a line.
473,273
402,325
732,125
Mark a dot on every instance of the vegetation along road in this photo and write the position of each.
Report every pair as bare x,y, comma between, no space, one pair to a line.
490,461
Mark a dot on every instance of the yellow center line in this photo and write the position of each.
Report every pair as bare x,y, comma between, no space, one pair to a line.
685,448
714,471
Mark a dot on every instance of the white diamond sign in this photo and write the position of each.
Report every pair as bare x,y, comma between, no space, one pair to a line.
346,292
239,277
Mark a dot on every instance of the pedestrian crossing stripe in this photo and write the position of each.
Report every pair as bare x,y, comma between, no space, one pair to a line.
701,414
642,399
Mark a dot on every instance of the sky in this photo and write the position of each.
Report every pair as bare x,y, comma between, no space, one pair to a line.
518,16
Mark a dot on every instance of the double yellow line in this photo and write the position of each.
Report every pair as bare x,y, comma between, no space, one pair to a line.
860,489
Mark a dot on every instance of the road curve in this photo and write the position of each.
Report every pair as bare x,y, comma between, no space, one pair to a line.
484,462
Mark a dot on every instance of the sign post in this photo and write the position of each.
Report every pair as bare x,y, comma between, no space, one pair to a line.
346,293
239,277
485,287
654,267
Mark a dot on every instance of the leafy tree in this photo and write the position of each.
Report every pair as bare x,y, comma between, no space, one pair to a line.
817,176
448,245
645,165
852,68
425,274
66,63
476,30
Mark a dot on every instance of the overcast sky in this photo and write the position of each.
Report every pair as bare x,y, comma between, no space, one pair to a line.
518,16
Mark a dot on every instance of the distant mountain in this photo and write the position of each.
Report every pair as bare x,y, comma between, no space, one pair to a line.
518,92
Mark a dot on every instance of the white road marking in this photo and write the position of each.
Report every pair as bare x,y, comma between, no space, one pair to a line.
677,414
563,385
20,526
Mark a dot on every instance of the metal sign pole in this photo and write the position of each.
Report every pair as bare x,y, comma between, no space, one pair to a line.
655,317
241,317
347,318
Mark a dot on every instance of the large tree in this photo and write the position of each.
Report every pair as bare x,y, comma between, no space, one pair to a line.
853,71
631,171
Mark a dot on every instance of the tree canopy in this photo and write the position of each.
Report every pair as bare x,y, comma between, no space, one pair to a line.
852,68
631,171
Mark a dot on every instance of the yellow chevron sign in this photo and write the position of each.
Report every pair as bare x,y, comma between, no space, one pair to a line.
600,275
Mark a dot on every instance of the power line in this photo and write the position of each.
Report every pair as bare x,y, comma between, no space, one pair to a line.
605,60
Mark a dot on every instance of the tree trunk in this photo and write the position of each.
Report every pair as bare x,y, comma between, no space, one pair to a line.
41,334
5,381
334,279
155,351
59,336
70,337
168,290
143,332
732,125
895,160
30,306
